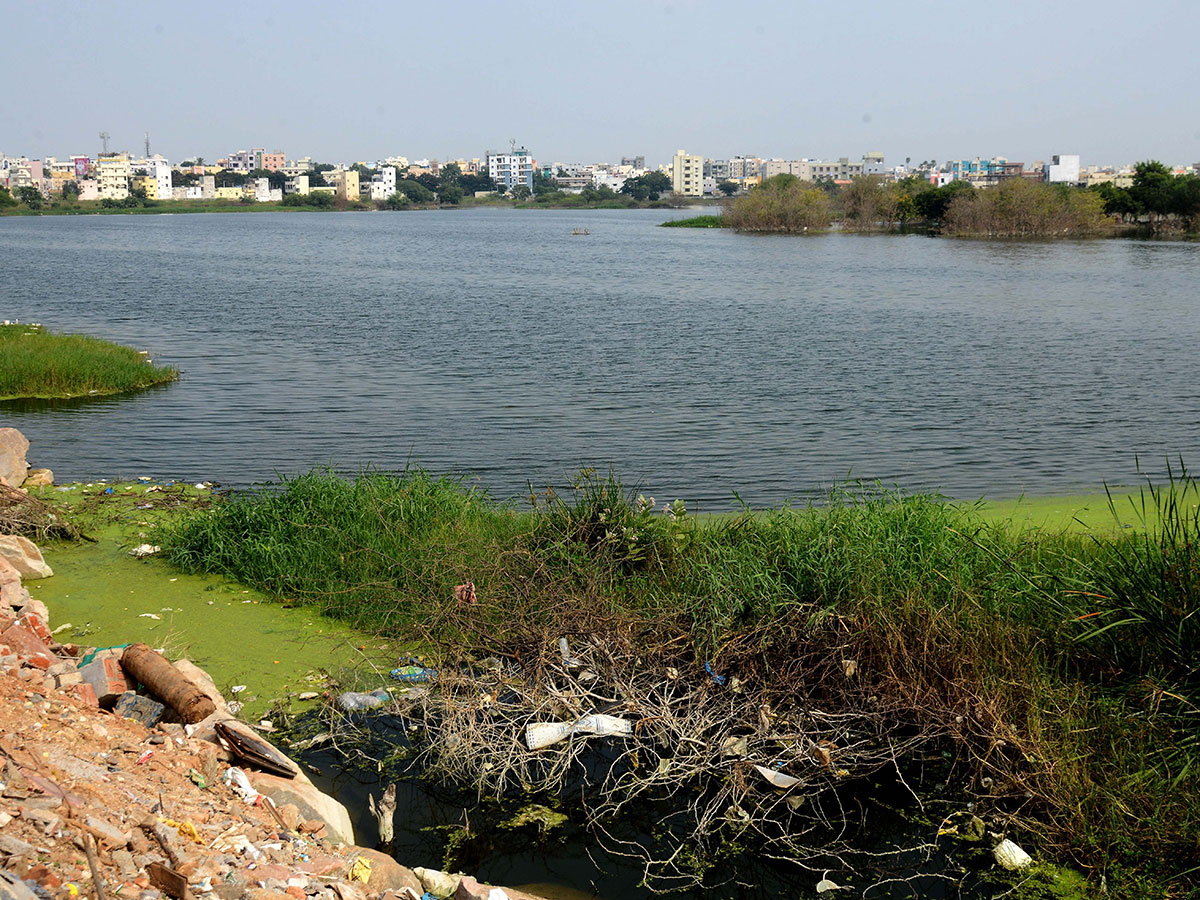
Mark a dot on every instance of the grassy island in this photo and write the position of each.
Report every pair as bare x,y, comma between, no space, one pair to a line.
36,363
794,665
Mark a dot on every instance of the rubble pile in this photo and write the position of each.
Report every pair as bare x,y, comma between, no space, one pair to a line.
124,775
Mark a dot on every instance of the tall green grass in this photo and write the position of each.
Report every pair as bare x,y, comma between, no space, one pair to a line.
1061,666
36,363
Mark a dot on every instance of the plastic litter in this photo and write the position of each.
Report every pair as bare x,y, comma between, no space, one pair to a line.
719,679
543,734
567,659
141,551
237,780
355,700
361,870
779,779
412,670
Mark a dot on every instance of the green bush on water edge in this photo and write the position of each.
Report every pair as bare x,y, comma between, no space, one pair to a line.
1058,666
37,363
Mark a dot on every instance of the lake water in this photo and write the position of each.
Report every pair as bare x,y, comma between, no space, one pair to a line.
497,344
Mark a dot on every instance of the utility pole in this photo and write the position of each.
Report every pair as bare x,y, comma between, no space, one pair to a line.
104,136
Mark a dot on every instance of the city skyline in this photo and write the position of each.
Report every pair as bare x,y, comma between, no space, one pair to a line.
588,83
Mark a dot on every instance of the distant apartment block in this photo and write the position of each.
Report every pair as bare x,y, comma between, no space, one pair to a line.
383,183
258,158
687,174
1063,169
297,184
112,175
346,185
635,162
510,169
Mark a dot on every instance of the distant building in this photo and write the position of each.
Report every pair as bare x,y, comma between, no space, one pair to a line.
112,174
258,158
687,174
345,184
383,183
1063,169
636,162
510,169
297,185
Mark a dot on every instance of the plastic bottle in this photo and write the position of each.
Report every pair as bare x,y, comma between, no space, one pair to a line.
353,700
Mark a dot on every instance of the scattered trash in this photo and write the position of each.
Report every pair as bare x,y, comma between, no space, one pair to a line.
413,671
355,700
564,649
719,679
143,550
1010,856
308,695
149,616
735,746
361,870
465,593
825,885
543,734
237,688
849,667
197,779
778,779
240,784
247,745
145,756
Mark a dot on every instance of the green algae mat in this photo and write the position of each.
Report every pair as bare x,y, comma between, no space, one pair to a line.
100,595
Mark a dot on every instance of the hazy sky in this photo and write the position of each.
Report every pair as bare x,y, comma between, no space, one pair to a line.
588,82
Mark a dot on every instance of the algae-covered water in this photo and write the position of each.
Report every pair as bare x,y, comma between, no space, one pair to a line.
109,598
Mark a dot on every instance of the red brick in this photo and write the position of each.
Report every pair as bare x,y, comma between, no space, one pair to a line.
38,661
85,694
37,626
107,679
25,642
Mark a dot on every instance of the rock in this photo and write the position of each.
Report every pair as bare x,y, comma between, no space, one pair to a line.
470,889
24,556
1010,856
13,447
386,873
440,884
141,709
290,814
39,478
311,803
24,642
11,846
13,888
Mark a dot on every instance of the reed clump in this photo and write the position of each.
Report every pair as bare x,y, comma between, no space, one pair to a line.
1049,677
36,363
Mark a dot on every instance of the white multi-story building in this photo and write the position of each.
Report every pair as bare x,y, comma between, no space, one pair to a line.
383,183
160,170
510,169
687,174
1063,169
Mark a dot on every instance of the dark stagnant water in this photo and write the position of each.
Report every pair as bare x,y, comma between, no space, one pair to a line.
496,344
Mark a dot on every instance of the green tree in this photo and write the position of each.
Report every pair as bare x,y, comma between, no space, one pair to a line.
1117,200
543,184
1186,200
414,190
1153,188
646,187
395,201
521,192
727,187
450,193
70,190
6,199
30,196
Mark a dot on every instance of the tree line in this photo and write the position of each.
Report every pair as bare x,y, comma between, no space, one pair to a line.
1016,207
